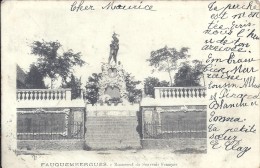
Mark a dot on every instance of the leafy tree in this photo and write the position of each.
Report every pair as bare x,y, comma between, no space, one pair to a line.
199,69
134,94
20,78
188,75
34,78
165,59
151,82
75,85
52,64
92,88
164,83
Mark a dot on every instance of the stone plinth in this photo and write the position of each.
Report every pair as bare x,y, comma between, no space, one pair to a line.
112,85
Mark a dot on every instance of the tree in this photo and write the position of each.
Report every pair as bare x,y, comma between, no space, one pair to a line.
164,83
20,78
92,88
188,75
165,59
52,64
199,69
34,78
75,85
134,94
151,82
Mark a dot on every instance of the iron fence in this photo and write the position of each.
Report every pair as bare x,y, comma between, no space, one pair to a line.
178,129
46,130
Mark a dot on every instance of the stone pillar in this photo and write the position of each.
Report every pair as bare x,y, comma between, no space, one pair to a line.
68,94
157,93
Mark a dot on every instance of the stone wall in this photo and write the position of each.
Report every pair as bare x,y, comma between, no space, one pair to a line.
51,144
175,144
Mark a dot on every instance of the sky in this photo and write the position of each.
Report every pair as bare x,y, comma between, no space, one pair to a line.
89,32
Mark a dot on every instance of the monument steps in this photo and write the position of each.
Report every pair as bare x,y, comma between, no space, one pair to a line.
112,132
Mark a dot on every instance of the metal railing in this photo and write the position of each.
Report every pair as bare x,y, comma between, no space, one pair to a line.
179,129
43,130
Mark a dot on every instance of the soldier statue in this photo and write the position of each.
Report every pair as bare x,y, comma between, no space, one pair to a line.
114,47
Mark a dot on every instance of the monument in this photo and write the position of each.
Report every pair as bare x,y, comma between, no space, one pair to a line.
112,87
112,121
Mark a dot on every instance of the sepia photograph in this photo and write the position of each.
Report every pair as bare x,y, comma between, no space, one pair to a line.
130,84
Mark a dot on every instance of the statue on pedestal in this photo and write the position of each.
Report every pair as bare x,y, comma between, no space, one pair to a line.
112,86
114,47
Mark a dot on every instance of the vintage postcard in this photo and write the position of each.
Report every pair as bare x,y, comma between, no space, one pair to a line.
138,84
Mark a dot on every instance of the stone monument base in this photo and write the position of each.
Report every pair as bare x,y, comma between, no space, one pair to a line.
112,127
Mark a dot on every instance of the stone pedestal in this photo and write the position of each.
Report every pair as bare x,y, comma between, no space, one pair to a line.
112,86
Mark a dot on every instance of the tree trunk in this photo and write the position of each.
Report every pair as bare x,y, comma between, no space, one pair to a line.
203,79
52,83
170,78
169,72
